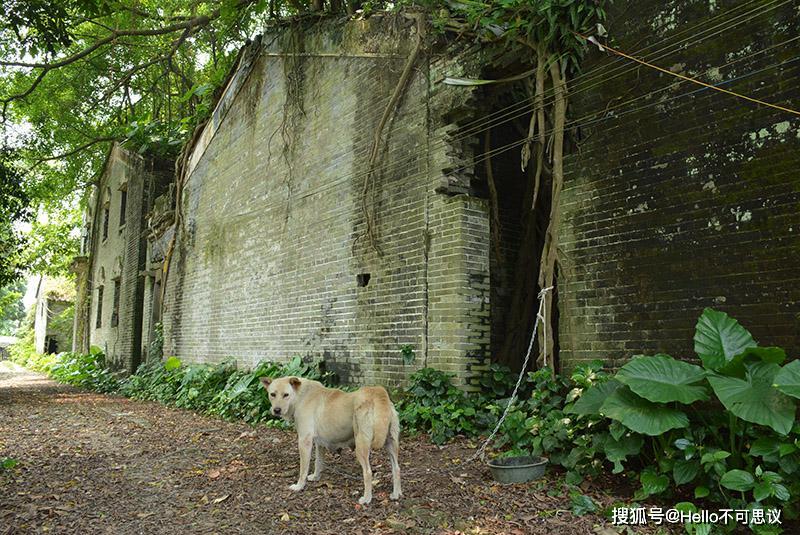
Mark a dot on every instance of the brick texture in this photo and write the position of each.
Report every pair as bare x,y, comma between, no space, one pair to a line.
680,197
117,256
272,239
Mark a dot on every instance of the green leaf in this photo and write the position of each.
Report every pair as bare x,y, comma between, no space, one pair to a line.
765,446
574,478
618,450
8,463
686,507
701,492
617,430
172,363
781,492
582,504
663,379
754,399
775,355
737,480
641,415
762,490
685,471
788,379
719,338
653,483
407,351
593,398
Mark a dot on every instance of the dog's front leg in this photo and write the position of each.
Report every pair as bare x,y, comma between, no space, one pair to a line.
318,463
304,444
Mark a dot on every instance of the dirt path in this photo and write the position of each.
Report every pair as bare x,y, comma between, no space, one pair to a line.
91,463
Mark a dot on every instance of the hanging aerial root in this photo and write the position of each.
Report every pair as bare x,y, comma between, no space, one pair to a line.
391,106
550,249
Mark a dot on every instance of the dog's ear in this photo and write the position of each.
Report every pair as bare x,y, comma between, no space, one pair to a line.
295,382
265,381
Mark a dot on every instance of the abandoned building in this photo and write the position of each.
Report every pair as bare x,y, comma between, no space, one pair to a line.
287,234
52,324
111,274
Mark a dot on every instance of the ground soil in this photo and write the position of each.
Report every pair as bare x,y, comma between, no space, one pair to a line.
91,463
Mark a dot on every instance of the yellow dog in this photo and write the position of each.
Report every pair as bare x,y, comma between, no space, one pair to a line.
331,418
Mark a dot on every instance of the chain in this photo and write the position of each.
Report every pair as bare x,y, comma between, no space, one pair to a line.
540,315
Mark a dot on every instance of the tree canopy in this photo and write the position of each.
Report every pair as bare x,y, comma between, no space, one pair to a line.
12,311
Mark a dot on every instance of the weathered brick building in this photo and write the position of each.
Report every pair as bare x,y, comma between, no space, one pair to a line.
675,199
272,257
111,276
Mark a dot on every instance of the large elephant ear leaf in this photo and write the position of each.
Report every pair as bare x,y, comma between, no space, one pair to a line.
718,338
663,379
594,397
754,399
641,415
788,379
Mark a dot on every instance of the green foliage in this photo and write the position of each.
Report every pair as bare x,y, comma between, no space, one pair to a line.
552,24
581,503
740,449
407,352
431,403
788,379
220,389
544,423
8,463
52,241
12,311
498,382
84,371
155,350
23,352
63,323
538,423
14,209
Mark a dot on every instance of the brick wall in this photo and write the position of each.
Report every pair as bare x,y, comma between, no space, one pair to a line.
683,198
118,257
272,238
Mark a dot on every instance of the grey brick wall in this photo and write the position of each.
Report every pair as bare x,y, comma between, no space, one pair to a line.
271,242
683,199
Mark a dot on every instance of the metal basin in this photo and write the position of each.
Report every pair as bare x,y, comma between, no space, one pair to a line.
517,469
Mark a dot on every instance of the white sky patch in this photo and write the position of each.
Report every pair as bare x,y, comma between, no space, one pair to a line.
201,59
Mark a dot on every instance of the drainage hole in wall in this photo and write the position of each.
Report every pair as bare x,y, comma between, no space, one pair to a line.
362,279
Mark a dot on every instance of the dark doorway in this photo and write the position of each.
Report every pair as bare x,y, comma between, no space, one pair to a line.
518,225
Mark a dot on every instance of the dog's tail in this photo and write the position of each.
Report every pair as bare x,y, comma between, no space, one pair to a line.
386,421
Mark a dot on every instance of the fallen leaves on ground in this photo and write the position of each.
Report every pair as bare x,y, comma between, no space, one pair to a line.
98,464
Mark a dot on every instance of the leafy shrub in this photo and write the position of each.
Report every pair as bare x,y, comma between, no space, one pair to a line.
498,382
220,389
724,430
431,403
23,351
84,371
542,424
